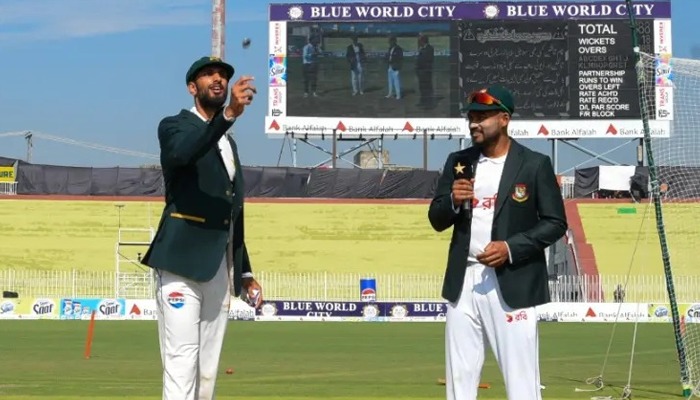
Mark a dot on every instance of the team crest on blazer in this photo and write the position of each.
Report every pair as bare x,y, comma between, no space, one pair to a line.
520,193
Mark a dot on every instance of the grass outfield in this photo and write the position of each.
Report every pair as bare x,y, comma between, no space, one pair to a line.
614,237
62,235
307,360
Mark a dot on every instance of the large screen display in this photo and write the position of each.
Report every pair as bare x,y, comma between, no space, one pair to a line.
406,68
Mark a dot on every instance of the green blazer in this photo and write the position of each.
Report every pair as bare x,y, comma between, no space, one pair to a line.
201,202
529,216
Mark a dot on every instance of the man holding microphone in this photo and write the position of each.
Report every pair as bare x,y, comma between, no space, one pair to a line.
505,207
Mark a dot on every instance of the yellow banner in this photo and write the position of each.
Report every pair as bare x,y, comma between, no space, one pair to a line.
661,312
31,308
7,174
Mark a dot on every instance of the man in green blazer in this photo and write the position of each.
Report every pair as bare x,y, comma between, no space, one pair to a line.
505,207
199,255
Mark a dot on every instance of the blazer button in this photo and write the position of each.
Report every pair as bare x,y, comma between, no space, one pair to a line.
225,222
228,193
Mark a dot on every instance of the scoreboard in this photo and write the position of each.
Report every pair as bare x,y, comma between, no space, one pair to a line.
571,67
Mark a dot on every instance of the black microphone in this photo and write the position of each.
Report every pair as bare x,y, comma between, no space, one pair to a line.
464,168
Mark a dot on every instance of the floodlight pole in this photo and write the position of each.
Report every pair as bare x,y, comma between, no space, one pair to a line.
335,148
30,146
218,28
294,152
425,149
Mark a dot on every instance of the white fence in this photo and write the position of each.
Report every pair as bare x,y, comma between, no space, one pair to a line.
567,187
8,188
337,286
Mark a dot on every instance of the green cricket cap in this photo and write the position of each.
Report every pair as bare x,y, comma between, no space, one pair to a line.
498,92
205,62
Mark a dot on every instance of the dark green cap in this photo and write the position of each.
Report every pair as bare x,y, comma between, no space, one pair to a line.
204,62
496,91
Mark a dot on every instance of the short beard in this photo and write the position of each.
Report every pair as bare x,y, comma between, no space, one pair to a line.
210,103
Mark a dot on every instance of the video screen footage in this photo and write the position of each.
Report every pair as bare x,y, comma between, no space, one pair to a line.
382,70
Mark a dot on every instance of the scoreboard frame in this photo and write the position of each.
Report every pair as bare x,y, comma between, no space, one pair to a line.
314,121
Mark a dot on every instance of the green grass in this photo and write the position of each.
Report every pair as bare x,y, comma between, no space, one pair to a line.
63,235
307,360
623,239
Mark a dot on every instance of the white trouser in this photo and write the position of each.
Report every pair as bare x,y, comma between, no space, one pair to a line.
192,319
357,79
481,318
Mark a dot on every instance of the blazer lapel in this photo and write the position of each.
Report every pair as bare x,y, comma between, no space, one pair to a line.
514,161
198,121
233,160
238,173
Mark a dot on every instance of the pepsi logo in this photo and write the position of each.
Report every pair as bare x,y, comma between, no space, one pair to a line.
176,299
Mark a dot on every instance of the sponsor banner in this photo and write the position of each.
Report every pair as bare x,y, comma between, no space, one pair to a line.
664,103
368,289
146,309
662,36
330,311
39,308
356,311
465,10
438,127
364,127
7,174
324,310
239,310
8,308
278,38
425,311
278,70
663,70
593,312
661,312
278,106
82,308
573,129
141,309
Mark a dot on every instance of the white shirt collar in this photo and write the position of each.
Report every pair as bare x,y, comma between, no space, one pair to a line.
195,112
497,160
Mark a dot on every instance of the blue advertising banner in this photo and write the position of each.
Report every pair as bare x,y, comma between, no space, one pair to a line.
465,11
82,308
340,310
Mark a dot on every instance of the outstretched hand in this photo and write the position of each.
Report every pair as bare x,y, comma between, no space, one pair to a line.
242,92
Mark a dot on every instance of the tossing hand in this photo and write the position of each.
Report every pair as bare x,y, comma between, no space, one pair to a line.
241,95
